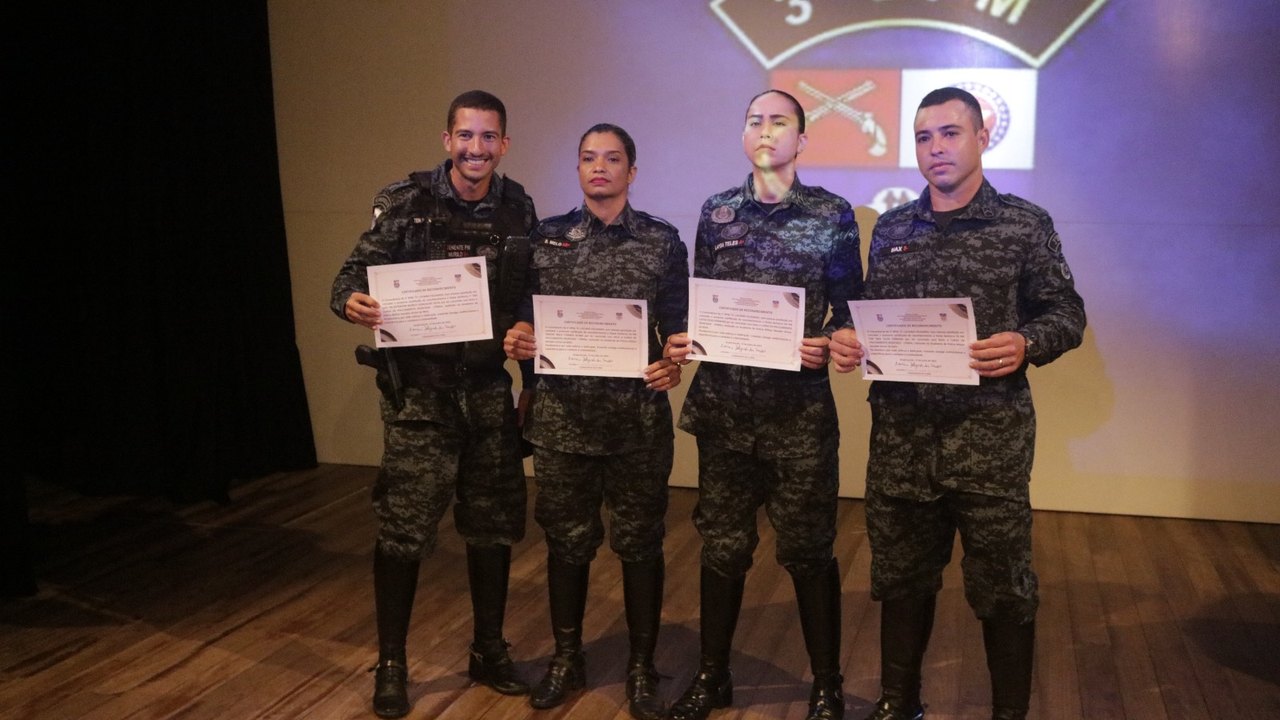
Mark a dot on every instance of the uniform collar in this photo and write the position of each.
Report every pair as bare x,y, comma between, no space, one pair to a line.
443,187
983,206
627,219
797,194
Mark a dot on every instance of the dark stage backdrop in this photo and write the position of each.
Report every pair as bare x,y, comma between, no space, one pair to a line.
154,334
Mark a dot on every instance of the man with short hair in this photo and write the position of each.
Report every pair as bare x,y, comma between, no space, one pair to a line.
450,427
958,457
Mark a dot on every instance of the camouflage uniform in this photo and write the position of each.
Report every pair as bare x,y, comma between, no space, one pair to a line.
948,457
455,433
596,438
770,436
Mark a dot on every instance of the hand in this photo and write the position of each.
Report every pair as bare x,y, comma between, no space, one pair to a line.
662,375
520,344
363,310
846,351
813,352
678,348
999,355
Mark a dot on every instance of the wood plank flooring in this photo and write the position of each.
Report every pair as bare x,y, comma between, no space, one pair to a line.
262,609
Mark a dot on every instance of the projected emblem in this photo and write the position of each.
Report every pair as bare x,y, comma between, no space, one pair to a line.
1008,100
851,115
865,121
891,197
995,111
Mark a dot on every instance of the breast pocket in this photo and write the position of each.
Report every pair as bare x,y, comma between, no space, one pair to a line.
555,269
635,271
729,263
892,276
991,279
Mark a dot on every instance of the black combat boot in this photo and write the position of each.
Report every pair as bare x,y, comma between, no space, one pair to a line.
567,591
712,686
818,597
1011,649
395,580
488,568
905,626
642,596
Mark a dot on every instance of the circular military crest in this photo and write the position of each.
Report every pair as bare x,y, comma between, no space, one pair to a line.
722,214
577,232
489,252
995,111
734,231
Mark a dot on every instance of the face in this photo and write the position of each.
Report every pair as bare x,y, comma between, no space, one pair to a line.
603,169
948,148
475,144
772,137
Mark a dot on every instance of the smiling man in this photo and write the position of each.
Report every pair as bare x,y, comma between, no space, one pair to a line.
948,458
770,437
449,426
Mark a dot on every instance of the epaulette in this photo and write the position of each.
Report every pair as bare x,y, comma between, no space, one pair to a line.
892,214
653,218
386,197
1015,201
554,227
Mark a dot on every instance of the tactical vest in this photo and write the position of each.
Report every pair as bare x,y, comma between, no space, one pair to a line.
501,239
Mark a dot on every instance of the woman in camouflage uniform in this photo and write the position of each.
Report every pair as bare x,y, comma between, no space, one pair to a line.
604,439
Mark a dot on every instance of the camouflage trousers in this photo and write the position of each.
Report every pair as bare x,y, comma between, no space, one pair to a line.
911,543
799,496
632,487
425,465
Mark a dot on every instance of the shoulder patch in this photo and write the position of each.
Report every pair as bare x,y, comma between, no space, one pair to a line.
552,228
722,214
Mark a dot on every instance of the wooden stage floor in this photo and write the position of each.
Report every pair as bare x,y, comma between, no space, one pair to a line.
262,609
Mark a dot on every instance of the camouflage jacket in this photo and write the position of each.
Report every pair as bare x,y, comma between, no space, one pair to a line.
639,257
403,215
1002,252
808,240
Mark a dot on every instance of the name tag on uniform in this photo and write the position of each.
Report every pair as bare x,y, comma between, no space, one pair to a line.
726,244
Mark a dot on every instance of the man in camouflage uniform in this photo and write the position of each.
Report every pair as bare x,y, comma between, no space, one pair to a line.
769,437
605,439
450,426
948,457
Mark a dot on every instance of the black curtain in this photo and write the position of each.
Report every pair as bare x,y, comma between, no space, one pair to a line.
153,334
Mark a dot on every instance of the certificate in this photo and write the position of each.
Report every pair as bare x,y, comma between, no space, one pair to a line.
603,337
746,323
431,302
916,340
